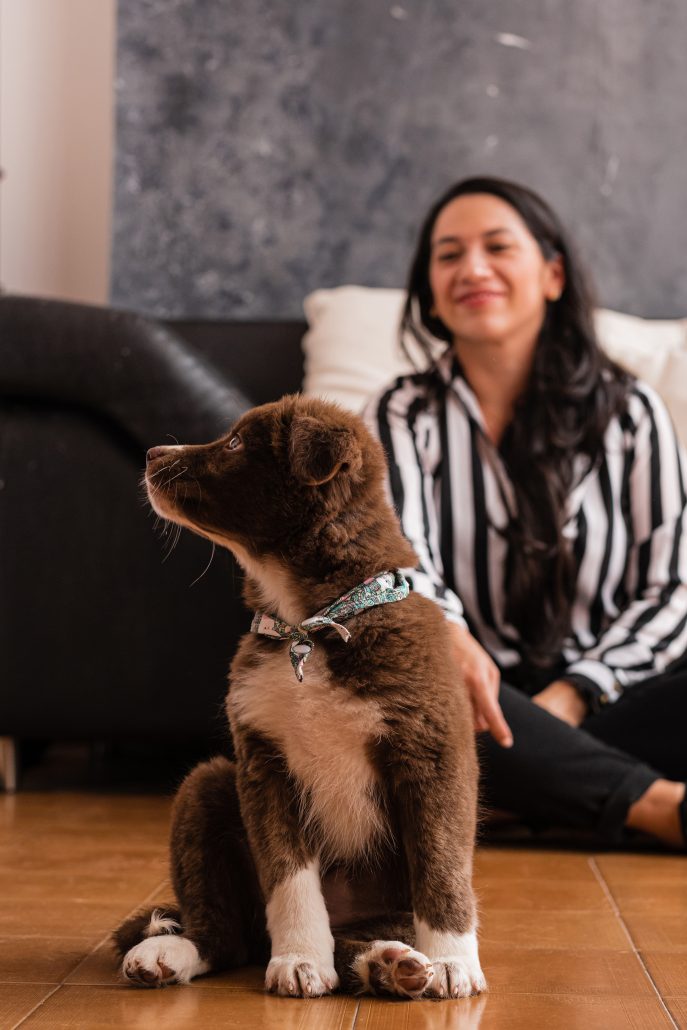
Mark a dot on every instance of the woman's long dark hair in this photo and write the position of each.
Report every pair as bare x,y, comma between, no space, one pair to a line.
573,392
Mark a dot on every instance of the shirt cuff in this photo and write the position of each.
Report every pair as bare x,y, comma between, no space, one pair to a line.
594,681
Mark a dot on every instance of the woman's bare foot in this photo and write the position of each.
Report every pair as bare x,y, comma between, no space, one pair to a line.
658,812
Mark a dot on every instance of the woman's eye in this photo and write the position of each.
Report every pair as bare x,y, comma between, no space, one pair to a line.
234,442
448,256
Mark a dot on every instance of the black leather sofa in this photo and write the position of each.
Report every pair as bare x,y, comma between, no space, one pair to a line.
102,636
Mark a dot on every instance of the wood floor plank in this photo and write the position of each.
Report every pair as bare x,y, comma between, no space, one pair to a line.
188,1008
466,1014
17,1000
638,870
49,886
66,856
552,929
539,895
36,958
148,814
678,1009
669,898
69,917
669,971
529,1012
657,931
573,971
519,863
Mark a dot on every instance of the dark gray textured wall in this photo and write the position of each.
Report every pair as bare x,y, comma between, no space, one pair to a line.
269,147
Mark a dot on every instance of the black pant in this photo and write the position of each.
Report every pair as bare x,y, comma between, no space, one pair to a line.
588,777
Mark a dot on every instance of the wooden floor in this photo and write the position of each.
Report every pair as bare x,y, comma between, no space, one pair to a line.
568,939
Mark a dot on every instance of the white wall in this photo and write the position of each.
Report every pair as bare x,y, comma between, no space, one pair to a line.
57,60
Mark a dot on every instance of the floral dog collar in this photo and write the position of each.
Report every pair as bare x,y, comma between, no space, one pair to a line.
381,589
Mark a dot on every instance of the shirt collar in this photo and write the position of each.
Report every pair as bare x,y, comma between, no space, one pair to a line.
452,374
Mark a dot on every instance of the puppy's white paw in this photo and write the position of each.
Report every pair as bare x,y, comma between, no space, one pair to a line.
456,977
162,960
300,976
391,967
455,957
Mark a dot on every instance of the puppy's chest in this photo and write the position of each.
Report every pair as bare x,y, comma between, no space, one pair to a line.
325,734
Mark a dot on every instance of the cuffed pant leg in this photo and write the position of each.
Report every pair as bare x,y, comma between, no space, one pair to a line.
557,775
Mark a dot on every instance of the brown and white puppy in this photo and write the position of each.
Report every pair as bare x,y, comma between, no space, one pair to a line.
354,792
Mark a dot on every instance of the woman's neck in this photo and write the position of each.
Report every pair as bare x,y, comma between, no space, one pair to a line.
498,376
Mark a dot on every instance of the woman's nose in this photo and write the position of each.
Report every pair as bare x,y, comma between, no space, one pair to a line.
475,264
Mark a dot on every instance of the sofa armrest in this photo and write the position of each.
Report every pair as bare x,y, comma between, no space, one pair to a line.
121,366
263,358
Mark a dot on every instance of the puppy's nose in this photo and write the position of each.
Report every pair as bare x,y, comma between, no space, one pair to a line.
155,452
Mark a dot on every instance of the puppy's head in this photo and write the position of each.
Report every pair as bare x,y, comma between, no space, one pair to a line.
281,470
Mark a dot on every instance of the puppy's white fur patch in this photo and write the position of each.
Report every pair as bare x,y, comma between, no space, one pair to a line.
160,924
163,960
324,732
455,957
302,944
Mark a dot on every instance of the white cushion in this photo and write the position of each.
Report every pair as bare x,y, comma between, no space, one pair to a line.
352,349
654,350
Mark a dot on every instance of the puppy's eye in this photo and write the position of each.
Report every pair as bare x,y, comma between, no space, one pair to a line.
235,442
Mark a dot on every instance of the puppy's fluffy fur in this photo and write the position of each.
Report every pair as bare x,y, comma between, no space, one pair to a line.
351,804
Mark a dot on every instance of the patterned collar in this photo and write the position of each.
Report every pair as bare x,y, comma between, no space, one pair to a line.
381,589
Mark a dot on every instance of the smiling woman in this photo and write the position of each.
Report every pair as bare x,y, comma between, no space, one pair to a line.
490,282
545,495
489,278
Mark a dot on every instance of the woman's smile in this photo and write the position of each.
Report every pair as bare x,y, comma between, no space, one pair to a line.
479,298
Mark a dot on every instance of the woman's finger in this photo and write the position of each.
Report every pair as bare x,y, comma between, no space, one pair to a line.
498,727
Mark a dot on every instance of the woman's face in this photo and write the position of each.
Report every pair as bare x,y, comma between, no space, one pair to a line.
489,279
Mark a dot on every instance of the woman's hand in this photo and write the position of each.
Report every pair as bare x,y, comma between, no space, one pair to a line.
561,699
482,678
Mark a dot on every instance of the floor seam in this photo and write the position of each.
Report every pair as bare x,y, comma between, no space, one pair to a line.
36,1007
640,958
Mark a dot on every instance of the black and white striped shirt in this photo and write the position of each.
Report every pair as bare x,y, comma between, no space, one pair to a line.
626,523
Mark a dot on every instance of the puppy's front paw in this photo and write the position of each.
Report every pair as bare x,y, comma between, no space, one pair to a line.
300,976
455,977
163,960
391,967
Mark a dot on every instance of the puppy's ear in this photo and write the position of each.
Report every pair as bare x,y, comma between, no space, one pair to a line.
318,451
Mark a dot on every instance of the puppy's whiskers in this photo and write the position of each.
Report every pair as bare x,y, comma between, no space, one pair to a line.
212,555
165,468
179,473
160,485
173,540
